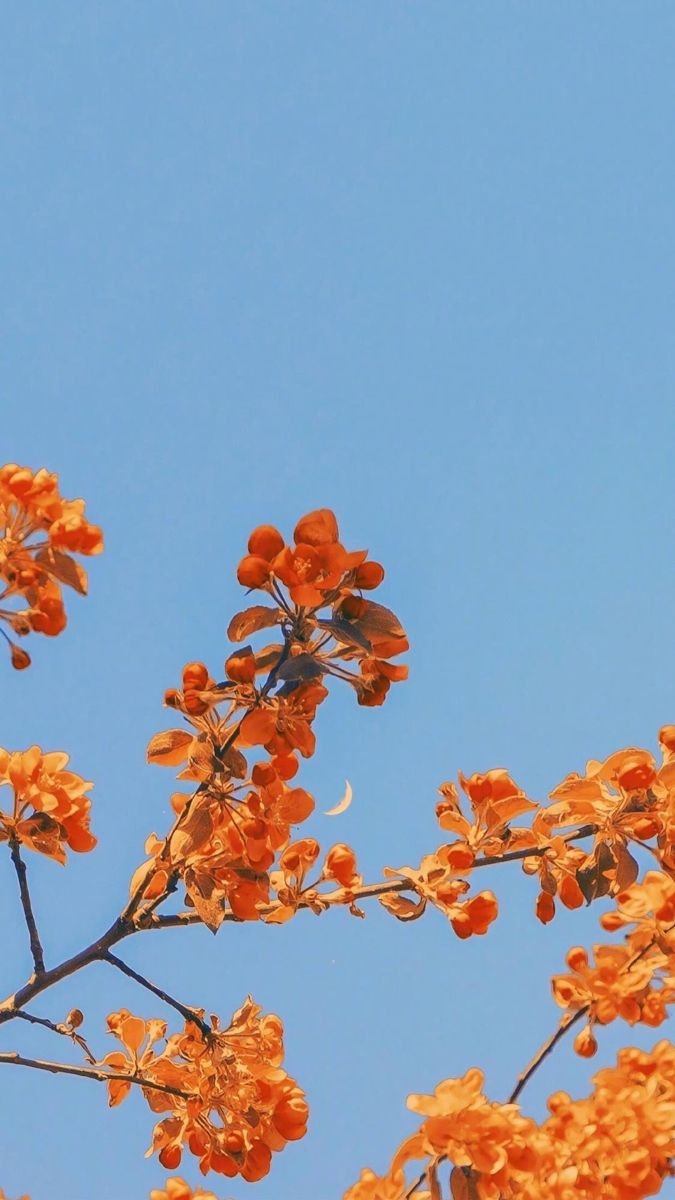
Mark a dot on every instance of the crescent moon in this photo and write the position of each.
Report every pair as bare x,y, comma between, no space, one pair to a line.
343,804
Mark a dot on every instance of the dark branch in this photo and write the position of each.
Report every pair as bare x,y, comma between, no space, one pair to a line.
35,943
12,1059
190,1014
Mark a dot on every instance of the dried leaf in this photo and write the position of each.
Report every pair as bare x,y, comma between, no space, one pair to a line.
259,616
342,804
402,907
211,910
195,830
268,657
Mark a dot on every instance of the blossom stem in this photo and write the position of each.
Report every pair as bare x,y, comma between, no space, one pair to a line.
190,1014
31,924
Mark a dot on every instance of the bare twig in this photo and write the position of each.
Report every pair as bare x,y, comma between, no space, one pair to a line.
190,1014
61,1028
34,937
12,1059
544,1050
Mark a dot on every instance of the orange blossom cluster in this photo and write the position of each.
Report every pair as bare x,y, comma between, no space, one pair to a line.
236,1104
237,824
39,533
617,1144
50,809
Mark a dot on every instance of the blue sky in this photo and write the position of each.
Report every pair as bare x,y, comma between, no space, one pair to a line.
413,261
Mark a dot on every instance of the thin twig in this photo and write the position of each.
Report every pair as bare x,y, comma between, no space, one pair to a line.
13,1059
190,1014
61,1028
34,937
570,1019
544,1050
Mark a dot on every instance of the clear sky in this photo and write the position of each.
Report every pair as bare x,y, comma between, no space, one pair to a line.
413,261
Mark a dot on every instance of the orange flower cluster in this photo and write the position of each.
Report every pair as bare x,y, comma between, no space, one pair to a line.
436,881
50,809
617,1144
39,533
232,1104
491,1140
625,798
634,981
178,1189
313,574
237,825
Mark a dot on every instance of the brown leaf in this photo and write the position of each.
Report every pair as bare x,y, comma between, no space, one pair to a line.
169,748
593,879
302,666
346,632
378,622
235,762
627,870
259,616
433,1181
44,834
402,907
268,657
463,1184
63,568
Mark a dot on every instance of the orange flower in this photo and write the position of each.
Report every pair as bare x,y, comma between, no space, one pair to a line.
50,807
178,1189
340,865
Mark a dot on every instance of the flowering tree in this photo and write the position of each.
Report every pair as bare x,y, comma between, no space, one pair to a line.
217,1088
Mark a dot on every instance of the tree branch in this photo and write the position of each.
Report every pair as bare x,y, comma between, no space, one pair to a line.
34,937
151,920
570,1019
63,1029
13,1059
548,1046
190,1014
37,984
123,926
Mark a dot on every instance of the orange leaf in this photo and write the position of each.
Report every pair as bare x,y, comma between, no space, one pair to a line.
259,616
402,907
169,748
